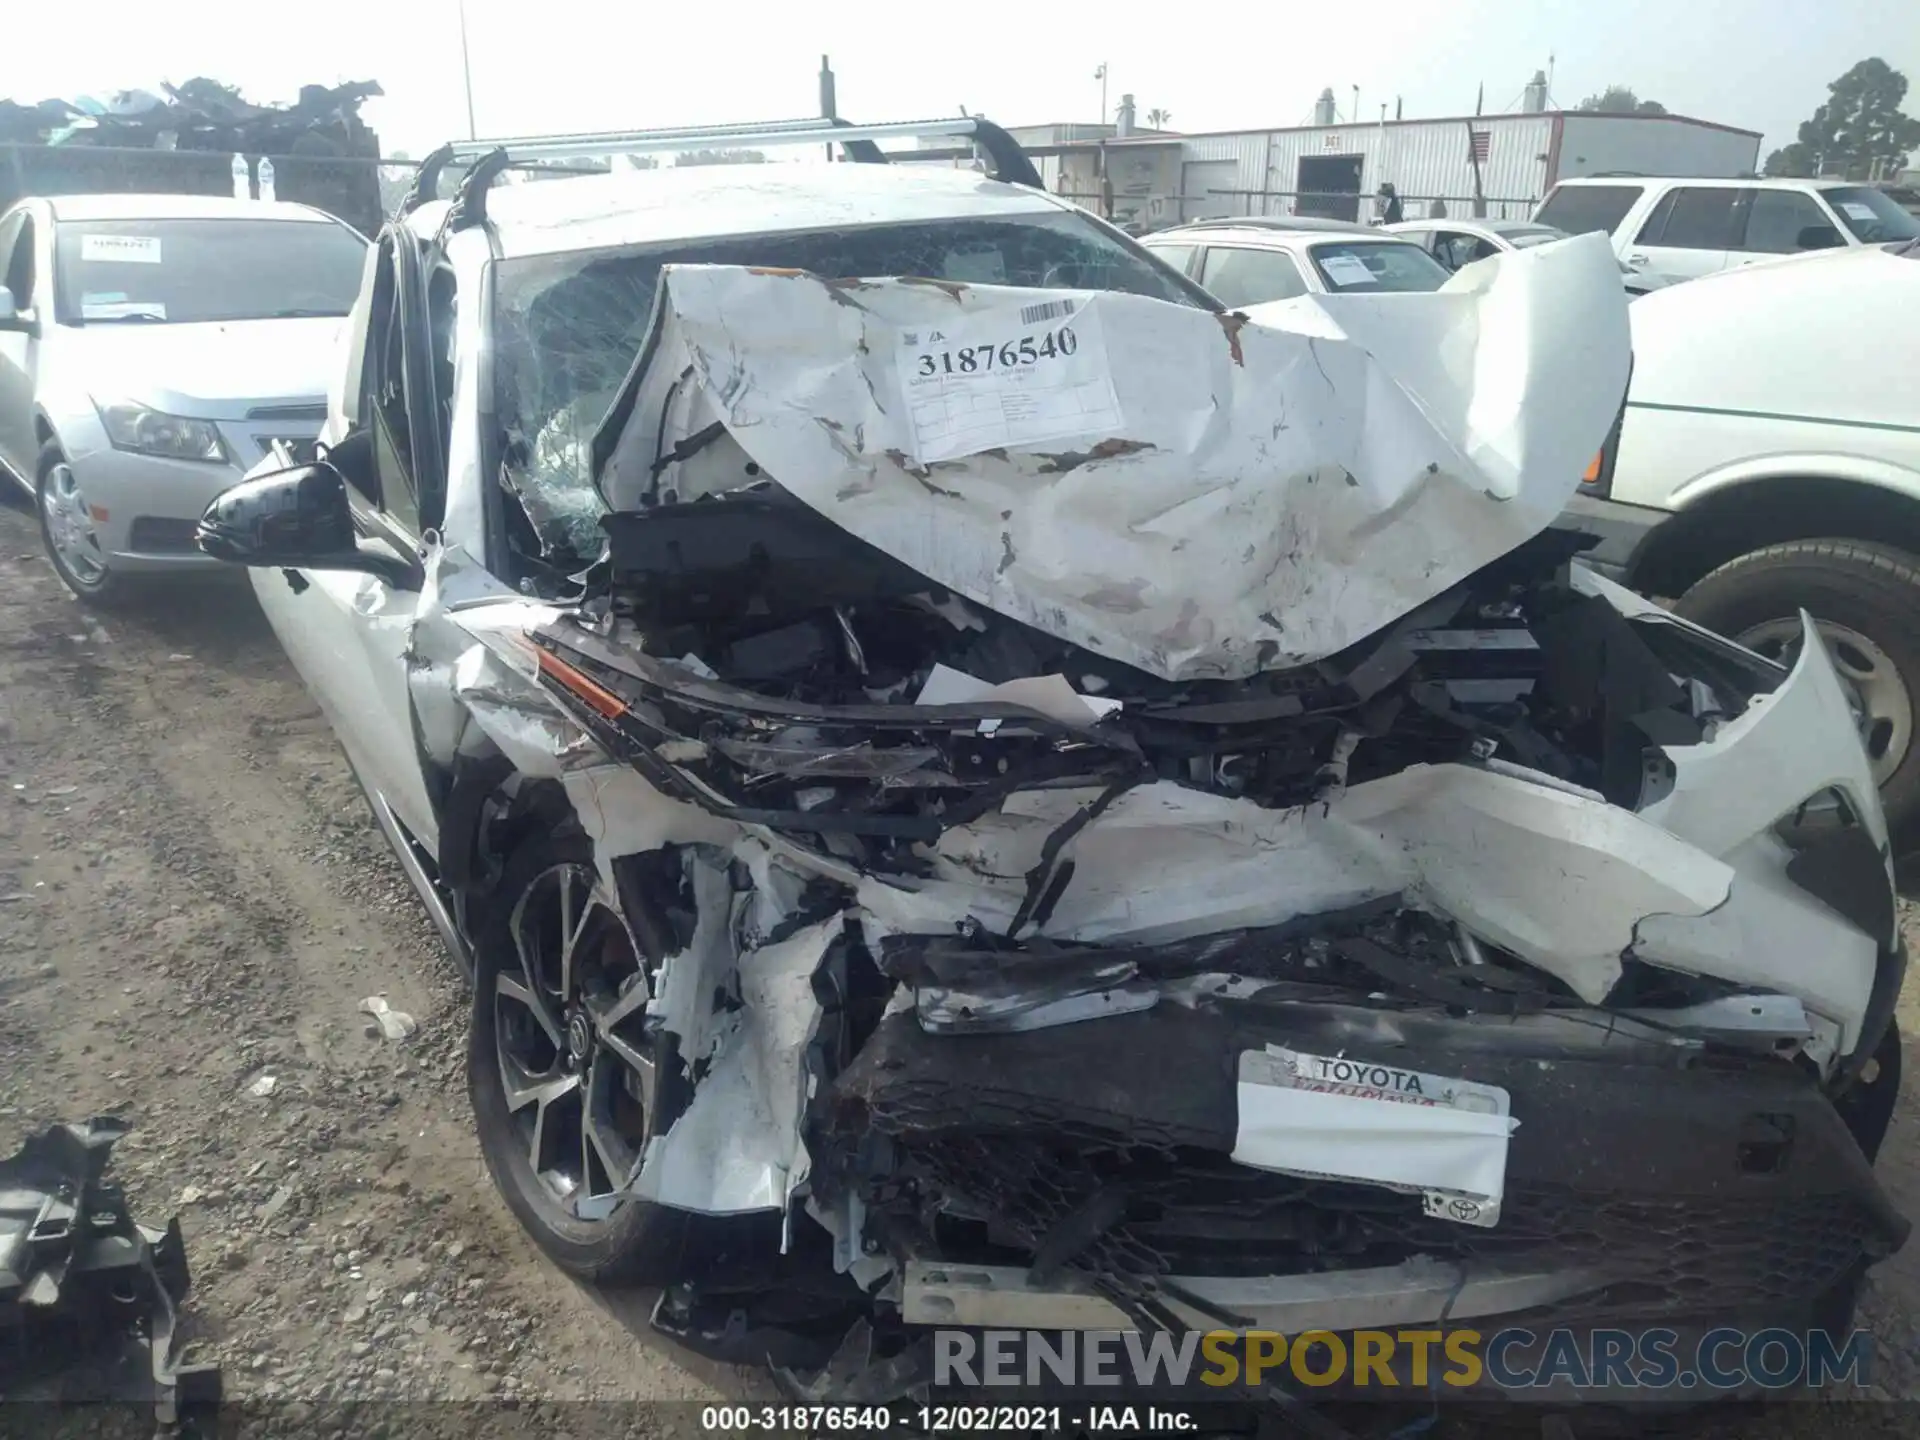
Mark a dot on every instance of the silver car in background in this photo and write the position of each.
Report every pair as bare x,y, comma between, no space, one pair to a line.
152,349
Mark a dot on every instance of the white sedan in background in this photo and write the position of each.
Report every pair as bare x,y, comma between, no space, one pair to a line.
1460,242
152,349
1255,260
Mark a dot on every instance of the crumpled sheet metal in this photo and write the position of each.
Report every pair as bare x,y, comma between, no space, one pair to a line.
1567,882
1269,493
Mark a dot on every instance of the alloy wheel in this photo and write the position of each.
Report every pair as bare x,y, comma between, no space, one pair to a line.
576,1064
1882,704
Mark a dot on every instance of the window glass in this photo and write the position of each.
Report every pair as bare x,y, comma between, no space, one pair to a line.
187,271
1871,214
1578,209
1178,256
1250,277
1362,267
1699,218
16,259
392,441
1455,249
377,460
1777,217
1521,239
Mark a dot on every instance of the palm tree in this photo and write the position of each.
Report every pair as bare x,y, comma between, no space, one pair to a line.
1157,118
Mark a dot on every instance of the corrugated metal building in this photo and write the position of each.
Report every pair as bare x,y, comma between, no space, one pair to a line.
1505,163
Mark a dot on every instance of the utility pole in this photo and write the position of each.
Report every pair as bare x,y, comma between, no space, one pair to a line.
466,70
1356,105
829,103
1100,74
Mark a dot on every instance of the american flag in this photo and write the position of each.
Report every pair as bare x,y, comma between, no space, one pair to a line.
1480,139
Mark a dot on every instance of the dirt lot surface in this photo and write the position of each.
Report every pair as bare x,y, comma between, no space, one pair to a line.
193,900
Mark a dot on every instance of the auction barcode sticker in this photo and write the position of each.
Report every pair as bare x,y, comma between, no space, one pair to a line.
1329,1117
1014,375
126,249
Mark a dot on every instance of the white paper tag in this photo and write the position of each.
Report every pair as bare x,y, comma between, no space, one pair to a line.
1345,270
1015,375
125,249
1325,1117
1854,210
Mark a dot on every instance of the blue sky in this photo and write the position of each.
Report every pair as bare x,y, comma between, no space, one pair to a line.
574,65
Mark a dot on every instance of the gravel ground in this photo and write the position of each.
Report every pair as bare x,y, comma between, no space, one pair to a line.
193,900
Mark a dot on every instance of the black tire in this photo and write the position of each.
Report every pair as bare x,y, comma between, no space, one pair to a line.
106,589
1871,589
638,1243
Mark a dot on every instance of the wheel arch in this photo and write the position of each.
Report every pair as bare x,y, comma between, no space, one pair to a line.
1739,518
489,807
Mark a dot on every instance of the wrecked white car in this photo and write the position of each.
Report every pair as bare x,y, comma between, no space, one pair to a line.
977,790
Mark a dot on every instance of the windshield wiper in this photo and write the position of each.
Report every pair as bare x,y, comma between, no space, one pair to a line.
298,314
130,318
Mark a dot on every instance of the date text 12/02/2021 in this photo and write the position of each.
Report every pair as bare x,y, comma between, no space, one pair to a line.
945,1419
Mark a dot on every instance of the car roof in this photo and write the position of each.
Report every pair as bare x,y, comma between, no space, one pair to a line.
1469,224
1257,237
1763,182
180,207
712,202
1272,222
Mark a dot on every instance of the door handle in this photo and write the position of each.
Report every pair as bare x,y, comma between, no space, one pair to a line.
1636,259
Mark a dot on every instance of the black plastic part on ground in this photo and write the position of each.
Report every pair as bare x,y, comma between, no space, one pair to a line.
81,1283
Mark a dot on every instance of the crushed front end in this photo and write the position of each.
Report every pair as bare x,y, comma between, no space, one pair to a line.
1229,866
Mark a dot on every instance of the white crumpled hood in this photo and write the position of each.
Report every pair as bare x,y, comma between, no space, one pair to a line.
1194,495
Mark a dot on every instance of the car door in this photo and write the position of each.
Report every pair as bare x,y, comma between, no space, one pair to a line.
1692,230
18,348
1241,275
349,634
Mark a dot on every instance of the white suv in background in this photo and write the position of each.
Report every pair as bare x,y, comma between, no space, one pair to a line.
1687,228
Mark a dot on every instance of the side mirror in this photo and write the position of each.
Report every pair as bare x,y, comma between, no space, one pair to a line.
294,519
1818,237
13,319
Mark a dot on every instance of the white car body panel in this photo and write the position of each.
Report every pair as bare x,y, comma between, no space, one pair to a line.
1775,371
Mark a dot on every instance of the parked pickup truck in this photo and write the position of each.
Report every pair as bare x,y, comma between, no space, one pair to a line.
1768,460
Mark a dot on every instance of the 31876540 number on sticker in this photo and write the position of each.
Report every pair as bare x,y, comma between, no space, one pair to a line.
1007,375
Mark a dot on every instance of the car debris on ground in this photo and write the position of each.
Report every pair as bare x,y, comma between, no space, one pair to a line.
80,1281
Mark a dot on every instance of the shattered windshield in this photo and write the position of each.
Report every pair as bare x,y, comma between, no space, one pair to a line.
567,328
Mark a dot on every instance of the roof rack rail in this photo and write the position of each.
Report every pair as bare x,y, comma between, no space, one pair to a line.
859,143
